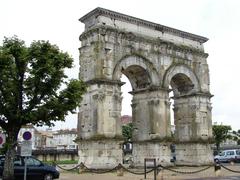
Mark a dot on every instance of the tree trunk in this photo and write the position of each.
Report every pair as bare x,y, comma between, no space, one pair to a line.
8,171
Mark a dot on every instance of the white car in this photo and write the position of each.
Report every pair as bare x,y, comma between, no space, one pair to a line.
232,155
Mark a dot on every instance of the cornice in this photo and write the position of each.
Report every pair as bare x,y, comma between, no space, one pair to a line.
201,94
122,17
149,89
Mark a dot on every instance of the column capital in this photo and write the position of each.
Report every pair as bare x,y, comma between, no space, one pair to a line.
196,94
149,89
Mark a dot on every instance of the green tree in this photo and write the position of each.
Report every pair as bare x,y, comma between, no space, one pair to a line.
221,134
127,131
237,136
31,89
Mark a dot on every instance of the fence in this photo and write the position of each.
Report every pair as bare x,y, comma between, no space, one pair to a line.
156,169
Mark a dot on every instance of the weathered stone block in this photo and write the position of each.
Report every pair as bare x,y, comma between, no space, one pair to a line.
102,154
157,150
194,154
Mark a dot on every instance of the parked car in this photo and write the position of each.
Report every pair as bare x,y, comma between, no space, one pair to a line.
232,155
35,168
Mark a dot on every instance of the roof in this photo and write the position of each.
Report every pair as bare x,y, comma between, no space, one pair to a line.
66,131
112,14
46,133
125,119
28,126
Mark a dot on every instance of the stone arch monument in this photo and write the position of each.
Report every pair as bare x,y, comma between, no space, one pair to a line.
157,60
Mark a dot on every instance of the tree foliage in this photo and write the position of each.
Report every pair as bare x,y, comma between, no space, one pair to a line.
127,131
236,136
221,134
31,81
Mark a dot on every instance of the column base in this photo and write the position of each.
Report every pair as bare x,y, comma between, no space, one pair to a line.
147,149
194,154
100,154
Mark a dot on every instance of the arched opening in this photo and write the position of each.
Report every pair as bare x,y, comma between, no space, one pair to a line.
173,127
135,78
127,97
182,80
171,100
126,119
138,77
142,75
180,85
138,70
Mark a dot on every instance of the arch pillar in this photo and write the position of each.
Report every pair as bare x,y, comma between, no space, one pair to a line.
100,137
193,133
151,122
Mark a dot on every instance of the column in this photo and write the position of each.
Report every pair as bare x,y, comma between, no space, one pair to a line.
100,137
192,115
151,122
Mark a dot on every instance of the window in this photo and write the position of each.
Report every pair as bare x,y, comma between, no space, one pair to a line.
17,161
32,162
71,146
222,154
229,153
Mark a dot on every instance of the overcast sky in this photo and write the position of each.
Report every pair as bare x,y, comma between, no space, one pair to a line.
218,20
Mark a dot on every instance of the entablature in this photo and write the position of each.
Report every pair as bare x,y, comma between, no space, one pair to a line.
161,45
